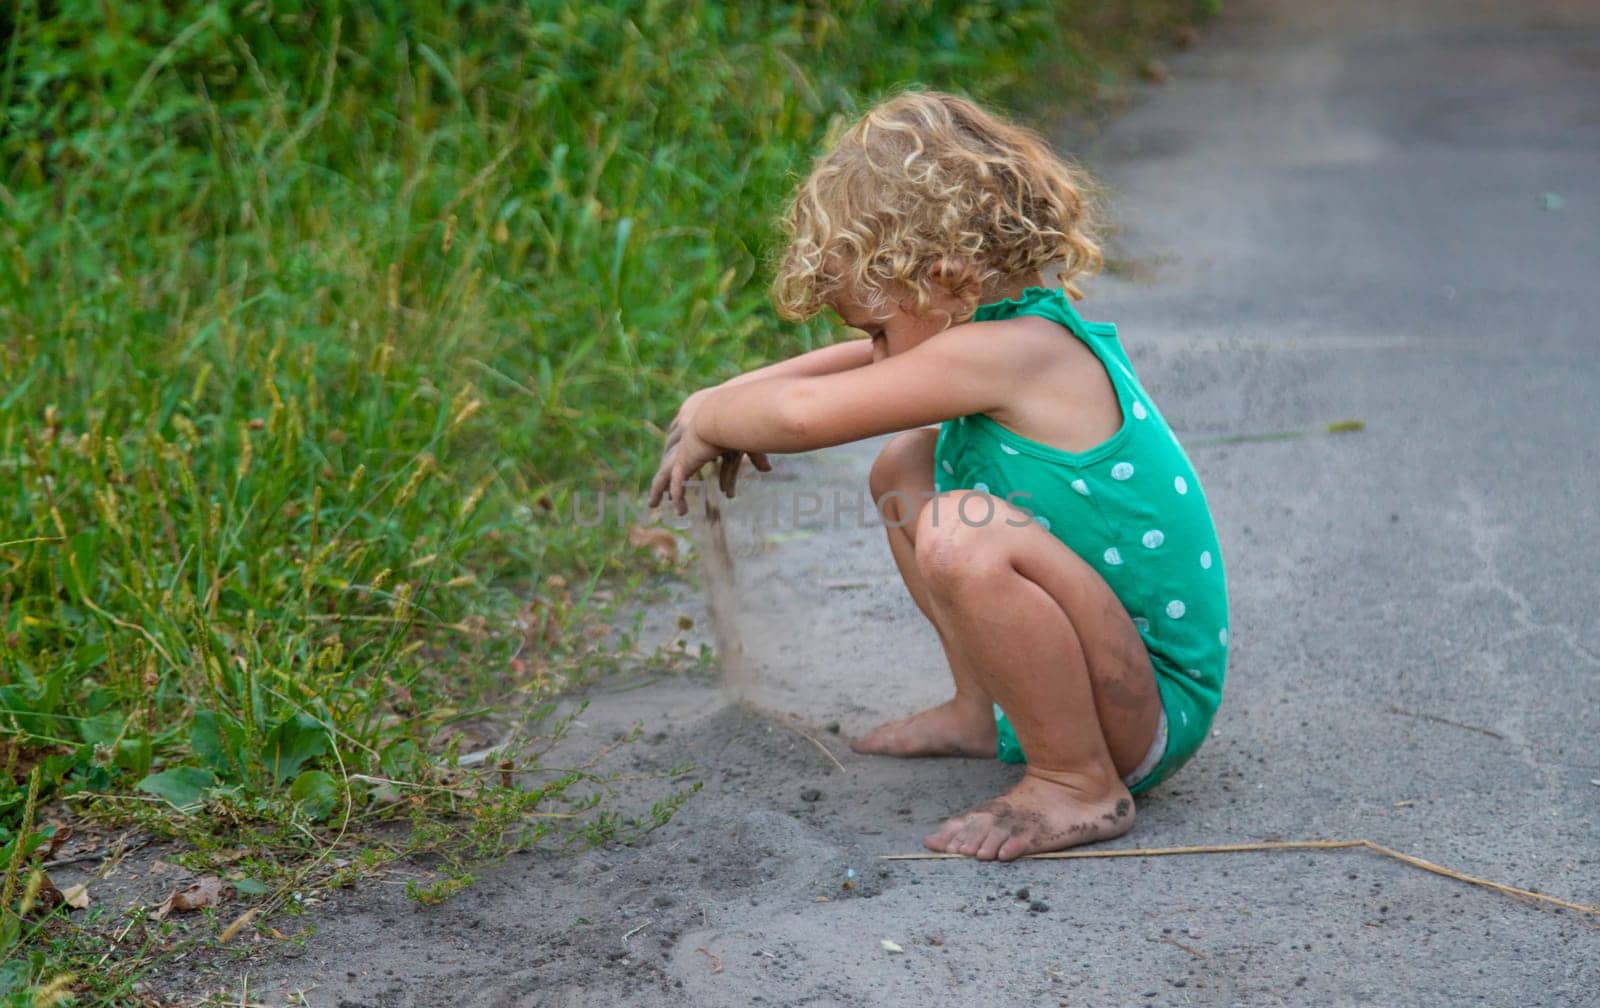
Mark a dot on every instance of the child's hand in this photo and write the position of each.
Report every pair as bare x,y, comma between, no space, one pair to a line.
684,456
685,453
728,468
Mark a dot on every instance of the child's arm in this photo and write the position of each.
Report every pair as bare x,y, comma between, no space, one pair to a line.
955,373
826,360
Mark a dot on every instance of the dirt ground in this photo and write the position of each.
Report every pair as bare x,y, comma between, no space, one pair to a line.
1304,211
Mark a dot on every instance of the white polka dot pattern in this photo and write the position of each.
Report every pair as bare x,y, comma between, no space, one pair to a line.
1176,609
1154,538
1139,412
1080,486
1205,559
1122,471
1113,556
1180,484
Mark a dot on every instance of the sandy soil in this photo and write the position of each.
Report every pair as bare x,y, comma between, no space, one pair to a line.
1304,217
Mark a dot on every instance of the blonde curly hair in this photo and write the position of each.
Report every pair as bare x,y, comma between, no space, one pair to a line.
929,185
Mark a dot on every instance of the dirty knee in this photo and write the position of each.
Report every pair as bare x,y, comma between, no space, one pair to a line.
955,550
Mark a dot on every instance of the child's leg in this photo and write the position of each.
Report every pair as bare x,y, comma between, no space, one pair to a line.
1040,631
902,482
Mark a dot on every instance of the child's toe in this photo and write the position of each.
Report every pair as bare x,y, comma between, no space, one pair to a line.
992,842
943,839
1013,848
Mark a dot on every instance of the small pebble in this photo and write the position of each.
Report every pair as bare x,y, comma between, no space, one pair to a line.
1022,894
810,794
832,727
1038,906
663,900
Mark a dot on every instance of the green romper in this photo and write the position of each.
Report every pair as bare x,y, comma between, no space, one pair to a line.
1133,509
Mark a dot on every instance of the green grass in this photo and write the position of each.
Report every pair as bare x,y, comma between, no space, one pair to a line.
316,323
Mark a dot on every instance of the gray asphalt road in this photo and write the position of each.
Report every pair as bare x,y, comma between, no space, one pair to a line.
1384,212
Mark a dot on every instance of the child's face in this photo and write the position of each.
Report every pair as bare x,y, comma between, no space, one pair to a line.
896,327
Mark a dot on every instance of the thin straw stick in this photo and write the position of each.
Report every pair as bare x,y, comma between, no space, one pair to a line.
1415,862
814,741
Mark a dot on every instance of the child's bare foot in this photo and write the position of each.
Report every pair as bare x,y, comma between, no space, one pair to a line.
951,729
1037,815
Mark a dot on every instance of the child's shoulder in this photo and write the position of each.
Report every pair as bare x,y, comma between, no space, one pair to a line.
1028,342
1062,390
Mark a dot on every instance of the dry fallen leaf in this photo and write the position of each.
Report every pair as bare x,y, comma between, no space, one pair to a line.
204,893
662,543
231,932
76,896
46,897
62,834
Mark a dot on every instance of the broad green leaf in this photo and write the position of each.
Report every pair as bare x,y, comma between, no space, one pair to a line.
316,793
218,741
183,787
298,738
101,729
134,755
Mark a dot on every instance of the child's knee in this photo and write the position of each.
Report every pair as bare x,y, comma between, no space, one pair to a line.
956,547
907,460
